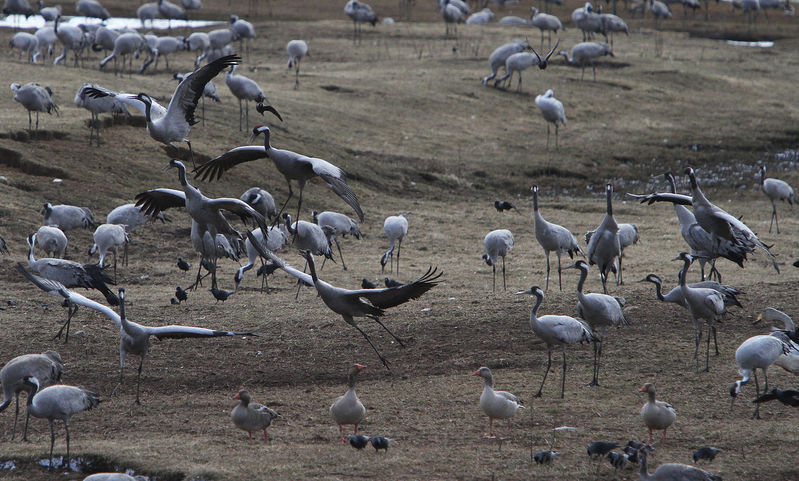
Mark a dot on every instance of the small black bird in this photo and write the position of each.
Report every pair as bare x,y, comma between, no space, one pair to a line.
635,445
789,397
180,294
174,302
601,448
221,294
617,460
392,283
367,284
380,442
183,265
706,452
632,453
359,441
503,205
544,457
796,263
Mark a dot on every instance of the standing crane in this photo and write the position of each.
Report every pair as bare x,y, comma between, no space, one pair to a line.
603,247
395,227
586,53
553,237
552,111
497,243
775,189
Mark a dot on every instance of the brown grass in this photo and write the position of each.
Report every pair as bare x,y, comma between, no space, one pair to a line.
408,118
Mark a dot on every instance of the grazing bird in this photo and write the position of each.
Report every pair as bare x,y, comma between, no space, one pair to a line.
757,352
586,53
250,416
276,239
497,243
600,311
500,55
171,11
181,294
71,37
703,304
350,304
612,24
675,295
552,111
245,89
657,415
309,237
221,294
556,330
380,442
553,237
28,43
110,237
296,50
47,367
67,217
292,165
545,457
17,7
97,106
34,98
545,23
395,227
775,190
260,200
672,471
52,241
58,402
174,123
598,449
367,284
659,10
129,45
359,441
91,8
587,21
479,18
134,337
348,409
496,404
183,265
389,282
503,205
604,246
789,397
360,13
521,61
707,453
335,224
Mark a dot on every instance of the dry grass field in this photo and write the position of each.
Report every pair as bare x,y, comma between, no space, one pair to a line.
405,114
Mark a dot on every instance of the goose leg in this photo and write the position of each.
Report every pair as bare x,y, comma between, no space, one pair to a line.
366,336
341,434
549,363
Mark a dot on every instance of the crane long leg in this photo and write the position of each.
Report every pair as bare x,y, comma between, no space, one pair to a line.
366,336
756,414
27,419
503,271
299,206
563,377
493,277
291,193
191,153
16,415
715,340
556,137
299,283
377,320
399,250
707,350
66,428
547,135
546,288
549,363
240,114
620,279
52,442
71,310
597,354
560,280
774,218
138,379
339,255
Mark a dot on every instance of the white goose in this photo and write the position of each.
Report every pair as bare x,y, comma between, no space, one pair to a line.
348,409
657,415
496,404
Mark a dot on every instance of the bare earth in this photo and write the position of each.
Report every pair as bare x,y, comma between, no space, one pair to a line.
405,114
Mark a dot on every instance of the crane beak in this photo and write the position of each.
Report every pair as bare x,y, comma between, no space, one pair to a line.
641,280
528,291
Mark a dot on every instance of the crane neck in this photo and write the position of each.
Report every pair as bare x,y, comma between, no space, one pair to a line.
148,104
267,143
181,173
583,277
672,185
534,313
31,247
609,201
684,273
658,290
312,267
287,221
535,200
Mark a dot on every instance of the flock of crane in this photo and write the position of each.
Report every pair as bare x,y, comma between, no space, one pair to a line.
710,232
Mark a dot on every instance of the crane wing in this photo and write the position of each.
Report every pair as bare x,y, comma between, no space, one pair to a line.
744,234
214,168
663,197
240,208
345,192
183,332
394,296
154,201
190,89
156,110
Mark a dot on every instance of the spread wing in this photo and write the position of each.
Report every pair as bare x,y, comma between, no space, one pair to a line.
154,201
183,332
394,296
190,89
214,168
663,197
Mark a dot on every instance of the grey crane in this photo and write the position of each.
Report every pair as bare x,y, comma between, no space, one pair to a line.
553,237
46,37
497,243
586,53
612,24
97,106
260,200
91,9
479,18
58,402
292,165
17,7
205,211
211,249
757,352
104,39
587,21
452,15
71,37
775,189
500,55
277,238
703,246
131,217
516,20
47,367
395,227
360,13
110,237
176,121
296,50
350,304
166,45
28,43
71,274
555,331
198,41
309,237
600,311
192,4
603,247
545,23
52,241
135,337
659,10
338,225
552,111
34,98
675,296
628,235
703,304
67,217
208,91
220,38
246,90
713,219
129,45
244,31
148,11
522,61
171,11
672,471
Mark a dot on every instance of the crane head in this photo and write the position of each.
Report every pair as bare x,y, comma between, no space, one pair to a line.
258,129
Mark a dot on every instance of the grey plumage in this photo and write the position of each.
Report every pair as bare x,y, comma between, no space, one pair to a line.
131,217
47,367
395,227
498,57
67,217
98,106
110,237
672,471
775,189
360,13
296,50
337,224
552,111
757,352
34,98
91,8
277,238
553,238
497,243
586,53
28,43
604,247
244,89
707,453
52,241
71,37
260,200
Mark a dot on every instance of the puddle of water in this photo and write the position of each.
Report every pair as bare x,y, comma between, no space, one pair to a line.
761,44
36,21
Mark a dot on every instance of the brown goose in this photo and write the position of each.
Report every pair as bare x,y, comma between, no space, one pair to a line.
656,414
251,416
347,409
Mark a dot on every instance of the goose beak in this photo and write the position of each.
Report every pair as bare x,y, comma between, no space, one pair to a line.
476,373
643,389
236,396
360,367
759,318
